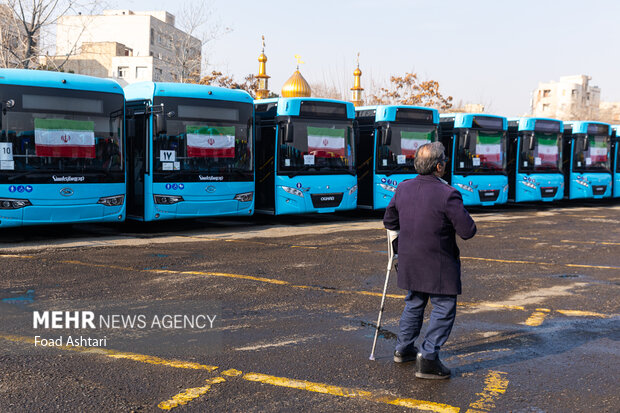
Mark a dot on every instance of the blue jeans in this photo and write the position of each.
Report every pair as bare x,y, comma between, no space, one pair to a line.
439,327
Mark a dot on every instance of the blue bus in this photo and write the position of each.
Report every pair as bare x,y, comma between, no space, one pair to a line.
535,160
615,163
305,156
190,151
389,138
62,148
476,146
587,162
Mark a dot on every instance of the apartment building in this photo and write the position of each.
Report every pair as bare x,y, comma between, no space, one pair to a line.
128,46
571,98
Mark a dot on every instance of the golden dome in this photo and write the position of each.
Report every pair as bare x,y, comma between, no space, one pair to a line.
296,87
357,72
262,58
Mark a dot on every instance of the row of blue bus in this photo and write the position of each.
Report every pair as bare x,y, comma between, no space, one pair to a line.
81,149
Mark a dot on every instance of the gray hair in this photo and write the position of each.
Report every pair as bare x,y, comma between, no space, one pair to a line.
427,157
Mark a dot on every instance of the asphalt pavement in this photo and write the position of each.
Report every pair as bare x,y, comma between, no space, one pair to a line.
293,303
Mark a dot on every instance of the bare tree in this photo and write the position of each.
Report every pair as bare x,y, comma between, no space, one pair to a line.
409,90
324,90
199,27
24,23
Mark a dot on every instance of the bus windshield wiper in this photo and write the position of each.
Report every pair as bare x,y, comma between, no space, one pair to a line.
300,170
21,175
398,168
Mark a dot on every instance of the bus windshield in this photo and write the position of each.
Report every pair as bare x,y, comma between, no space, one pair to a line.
481,151
47,132
398,156
203,137
591,157
316,147
545,155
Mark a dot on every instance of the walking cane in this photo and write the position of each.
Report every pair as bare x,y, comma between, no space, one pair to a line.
391,236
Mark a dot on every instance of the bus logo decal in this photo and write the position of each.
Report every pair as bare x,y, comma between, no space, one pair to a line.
66,192
210,189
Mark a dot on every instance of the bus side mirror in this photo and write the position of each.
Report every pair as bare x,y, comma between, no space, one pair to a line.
531,143
131,128
466,140
287,132
586,143
386,135
160,123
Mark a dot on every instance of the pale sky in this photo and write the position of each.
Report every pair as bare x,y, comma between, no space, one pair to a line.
491,52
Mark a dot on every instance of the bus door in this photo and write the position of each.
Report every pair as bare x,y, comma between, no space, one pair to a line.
365,166
265,166
137,158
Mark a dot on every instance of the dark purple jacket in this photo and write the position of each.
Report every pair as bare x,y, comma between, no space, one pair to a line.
428,213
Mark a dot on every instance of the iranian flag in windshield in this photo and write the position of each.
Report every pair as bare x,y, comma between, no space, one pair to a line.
326,142
211,142
411,141
64,138
598,151
489,149
548,150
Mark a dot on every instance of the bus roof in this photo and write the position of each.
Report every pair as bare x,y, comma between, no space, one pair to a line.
387,113
582,126
530,124
466,120
148,90
292,106
58,80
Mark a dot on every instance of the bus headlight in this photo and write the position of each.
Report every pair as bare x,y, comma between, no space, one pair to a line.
388,187
9,203
244,197
353,189
115,200
465,187
293,191
167,199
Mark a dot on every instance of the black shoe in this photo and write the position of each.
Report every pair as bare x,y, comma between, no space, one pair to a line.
430,369
405,357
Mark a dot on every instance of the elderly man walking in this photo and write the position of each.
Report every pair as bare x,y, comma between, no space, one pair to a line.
428,213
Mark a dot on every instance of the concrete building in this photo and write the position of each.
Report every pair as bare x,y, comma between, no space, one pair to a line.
572,98
609,112
128,46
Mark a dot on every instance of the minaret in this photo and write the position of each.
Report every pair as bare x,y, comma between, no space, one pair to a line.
263,79
357,85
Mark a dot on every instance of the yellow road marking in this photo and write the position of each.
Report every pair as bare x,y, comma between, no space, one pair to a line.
349,392
492,305
577,313
536,319
495,385
593,266
506,261
189,394
192,393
